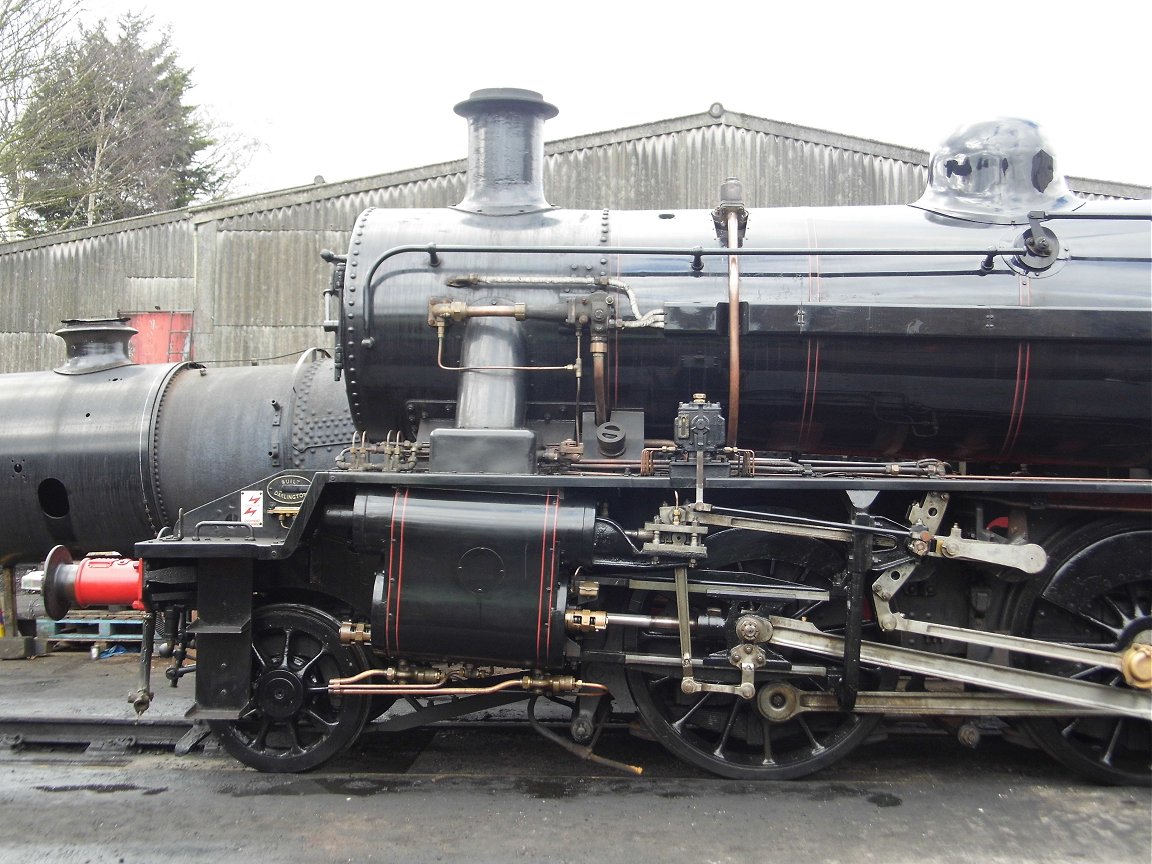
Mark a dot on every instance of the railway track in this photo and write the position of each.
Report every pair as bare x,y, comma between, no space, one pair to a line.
105,734
113,735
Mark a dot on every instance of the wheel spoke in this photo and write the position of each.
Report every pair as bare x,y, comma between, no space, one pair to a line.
1139,610
320,721
765,728
260,740
1079,613
1120,613
806,611
294,734
303,670
1107,757
679,724
1066,732
285,659
817,747
719,751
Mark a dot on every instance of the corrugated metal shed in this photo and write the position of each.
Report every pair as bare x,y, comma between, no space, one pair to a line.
250,270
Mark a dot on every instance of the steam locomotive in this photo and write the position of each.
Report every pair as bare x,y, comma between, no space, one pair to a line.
761,477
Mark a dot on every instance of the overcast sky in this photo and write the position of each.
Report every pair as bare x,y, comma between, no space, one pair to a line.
350,88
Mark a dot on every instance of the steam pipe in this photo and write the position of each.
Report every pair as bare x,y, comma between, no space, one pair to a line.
433,250
600,378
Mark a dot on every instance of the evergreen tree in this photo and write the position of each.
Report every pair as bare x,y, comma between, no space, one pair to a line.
106,134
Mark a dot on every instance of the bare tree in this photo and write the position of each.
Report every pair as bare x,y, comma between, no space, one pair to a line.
30,31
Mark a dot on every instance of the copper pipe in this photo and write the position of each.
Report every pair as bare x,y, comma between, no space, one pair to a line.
608,463
374,673
348,687
440,361
733,329
600,378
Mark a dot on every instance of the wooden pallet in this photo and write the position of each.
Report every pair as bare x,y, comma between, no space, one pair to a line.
95,626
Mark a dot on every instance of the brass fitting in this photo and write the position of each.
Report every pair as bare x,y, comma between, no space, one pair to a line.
453,309
1136,664
415,675
585,620
588,590
352,633
551,683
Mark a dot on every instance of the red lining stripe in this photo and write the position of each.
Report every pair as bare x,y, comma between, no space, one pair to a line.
808,409
391,573
1023,364
551,578
399,575
543,551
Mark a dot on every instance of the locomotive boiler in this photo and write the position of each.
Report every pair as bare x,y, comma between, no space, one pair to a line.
101,452
761,477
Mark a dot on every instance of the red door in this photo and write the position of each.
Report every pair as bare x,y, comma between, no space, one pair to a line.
164,337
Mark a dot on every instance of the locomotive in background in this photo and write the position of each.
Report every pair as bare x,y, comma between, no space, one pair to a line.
760,476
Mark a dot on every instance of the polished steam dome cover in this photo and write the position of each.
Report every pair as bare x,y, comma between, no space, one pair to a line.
996,171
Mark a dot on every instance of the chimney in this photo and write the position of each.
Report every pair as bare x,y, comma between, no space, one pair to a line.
95,344
505,151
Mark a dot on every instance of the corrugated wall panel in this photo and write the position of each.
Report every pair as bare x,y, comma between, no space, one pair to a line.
271,277
91,277
242,345
338,213
684,169
33,344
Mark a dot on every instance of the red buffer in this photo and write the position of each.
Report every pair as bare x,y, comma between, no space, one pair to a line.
97,580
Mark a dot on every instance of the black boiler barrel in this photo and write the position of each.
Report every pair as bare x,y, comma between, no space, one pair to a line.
100,460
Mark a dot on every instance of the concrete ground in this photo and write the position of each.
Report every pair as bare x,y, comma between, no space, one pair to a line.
500,793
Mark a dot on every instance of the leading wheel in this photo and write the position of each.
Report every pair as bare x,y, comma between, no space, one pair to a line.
291,723
1099,596
764,738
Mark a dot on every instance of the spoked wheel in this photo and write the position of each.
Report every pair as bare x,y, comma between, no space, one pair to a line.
1100,597
291,722
762,738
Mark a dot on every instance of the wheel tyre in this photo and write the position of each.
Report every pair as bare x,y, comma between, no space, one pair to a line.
1097,592
291,723
816,743
726,734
